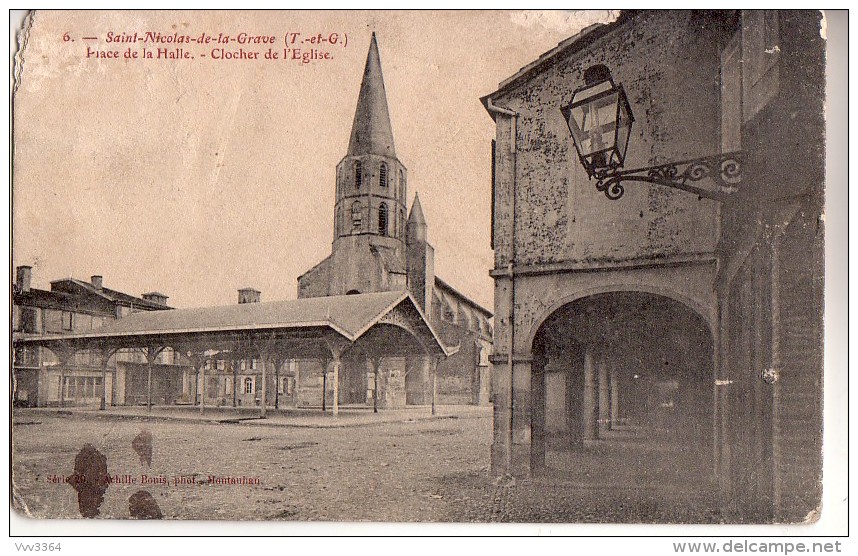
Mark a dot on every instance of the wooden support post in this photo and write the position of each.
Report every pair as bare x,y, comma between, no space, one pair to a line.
324,385
148,385
376,369
434,362
105,355
234,382
202,387
62,393
277,384
64,354
335,369
263,359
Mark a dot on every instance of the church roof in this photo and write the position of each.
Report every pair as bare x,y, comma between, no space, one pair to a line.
371,130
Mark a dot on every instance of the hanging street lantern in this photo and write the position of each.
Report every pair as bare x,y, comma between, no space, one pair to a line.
600,120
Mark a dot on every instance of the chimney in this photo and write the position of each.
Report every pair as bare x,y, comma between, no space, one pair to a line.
248,295
23,275
156,297
96,281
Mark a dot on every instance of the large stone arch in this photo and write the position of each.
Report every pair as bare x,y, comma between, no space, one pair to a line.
692,304
688,282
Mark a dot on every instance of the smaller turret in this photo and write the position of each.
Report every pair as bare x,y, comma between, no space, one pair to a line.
415,228
419,258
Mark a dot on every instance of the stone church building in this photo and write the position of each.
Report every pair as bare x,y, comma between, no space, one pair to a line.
380,246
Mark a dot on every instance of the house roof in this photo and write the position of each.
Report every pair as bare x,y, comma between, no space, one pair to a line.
349,315
105,293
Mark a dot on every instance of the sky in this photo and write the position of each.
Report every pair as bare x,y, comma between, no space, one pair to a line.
196,177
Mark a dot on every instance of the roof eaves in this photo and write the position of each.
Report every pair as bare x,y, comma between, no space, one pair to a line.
576,42
176,331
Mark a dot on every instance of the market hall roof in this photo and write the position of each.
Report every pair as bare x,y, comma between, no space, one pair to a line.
349,316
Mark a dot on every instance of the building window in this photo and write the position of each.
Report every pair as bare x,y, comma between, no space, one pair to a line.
28,320
358,174
731,96
357,210
382,175
221,365
248,385
382,219
760,55
68,320
253,363
401,184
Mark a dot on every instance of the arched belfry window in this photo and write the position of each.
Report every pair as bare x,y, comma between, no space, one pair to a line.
382,219
357,215
382,175
358,174
401,184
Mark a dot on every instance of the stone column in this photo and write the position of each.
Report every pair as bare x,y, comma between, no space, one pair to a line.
537,397
501,421
615,400
591,397
521,416
604,395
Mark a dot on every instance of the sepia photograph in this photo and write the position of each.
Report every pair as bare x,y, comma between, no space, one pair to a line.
450,267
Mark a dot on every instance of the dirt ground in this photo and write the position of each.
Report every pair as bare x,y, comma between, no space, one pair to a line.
421,470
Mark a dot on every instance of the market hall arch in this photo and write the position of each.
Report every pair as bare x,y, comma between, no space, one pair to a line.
629,374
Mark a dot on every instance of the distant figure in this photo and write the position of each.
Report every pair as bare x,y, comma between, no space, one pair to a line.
141,505
90,480
142,444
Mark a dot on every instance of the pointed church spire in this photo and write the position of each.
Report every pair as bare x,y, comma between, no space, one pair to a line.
371,131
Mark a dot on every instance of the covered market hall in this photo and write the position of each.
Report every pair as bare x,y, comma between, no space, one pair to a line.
378,331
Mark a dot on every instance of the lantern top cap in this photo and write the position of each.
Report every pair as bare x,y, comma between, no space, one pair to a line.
597,74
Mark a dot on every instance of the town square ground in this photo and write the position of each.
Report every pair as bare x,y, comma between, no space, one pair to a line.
400,466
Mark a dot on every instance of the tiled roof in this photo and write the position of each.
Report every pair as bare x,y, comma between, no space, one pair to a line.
349,315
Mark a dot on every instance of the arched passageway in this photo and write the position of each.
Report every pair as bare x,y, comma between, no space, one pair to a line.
622,386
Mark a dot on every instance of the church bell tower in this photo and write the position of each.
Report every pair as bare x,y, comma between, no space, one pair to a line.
370,197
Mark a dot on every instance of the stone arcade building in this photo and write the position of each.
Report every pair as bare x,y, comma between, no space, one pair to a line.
662,316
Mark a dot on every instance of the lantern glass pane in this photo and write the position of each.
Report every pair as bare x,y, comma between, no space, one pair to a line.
595,124
624,130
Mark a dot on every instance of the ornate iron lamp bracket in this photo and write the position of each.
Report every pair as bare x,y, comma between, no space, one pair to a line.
721,175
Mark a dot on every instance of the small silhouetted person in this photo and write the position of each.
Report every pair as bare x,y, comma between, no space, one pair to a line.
141,505
90,480
142,444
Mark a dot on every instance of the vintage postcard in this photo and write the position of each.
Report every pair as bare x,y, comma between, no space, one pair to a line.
419,266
